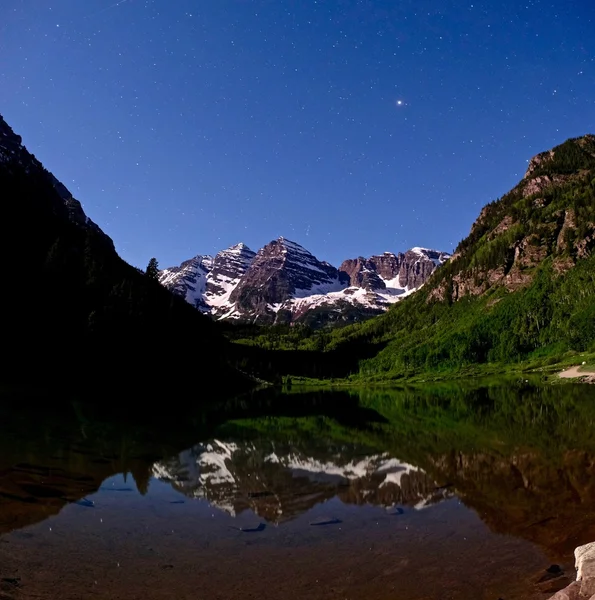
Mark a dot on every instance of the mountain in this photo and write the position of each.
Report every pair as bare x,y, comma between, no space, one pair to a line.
189,280
16,162
520,286
548,214
281,273
76,313
279,481
283,283
226,271
206,282
389,271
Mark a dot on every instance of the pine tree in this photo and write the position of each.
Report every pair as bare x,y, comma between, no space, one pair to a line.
152,271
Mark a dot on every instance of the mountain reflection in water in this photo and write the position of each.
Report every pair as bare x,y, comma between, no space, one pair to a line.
56,452
520,456
278,481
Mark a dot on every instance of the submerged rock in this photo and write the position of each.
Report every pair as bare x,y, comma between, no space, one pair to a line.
326,521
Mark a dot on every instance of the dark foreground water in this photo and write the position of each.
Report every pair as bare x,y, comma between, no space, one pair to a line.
451,492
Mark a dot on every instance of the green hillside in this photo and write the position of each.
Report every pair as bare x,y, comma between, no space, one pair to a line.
513,291
520,287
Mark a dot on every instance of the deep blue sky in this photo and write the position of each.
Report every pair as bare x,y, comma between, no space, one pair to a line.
185,126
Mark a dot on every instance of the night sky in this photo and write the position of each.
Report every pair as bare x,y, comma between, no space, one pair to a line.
351,127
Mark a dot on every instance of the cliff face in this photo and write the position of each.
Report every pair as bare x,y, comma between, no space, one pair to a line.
405,271
549,213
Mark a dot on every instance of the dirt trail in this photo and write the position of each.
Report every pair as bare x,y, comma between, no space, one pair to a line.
575,372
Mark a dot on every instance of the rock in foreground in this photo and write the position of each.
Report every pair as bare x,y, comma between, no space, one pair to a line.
584,586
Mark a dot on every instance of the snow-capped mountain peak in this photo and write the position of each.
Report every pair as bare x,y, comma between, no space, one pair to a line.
284,282
237,248
281,272
229,266
189,280
207,282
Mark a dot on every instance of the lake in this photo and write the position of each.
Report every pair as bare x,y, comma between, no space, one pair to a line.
470,491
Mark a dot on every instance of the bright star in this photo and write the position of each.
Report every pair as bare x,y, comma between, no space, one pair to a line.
400,102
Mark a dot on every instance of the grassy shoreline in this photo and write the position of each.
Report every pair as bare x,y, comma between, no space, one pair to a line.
547,369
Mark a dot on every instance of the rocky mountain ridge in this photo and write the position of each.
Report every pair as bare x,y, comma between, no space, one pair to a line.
14,155
283,282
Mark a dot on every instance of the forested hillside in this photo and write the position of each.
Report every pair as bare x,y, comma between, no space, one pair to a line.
520,286
73,312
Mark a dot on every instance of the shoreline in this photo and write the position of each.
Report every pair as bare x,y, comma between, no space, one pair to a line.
550,374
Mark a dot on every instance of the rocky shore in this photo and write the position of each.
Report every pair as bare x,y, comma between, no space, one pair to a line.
584,586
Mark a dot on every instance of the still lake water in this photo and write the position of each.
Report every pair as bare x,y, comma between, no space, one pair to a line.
470,492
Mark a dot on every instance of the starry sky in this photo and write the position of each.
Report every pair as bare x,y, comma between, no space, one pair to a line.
349,126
